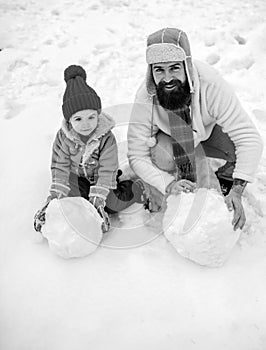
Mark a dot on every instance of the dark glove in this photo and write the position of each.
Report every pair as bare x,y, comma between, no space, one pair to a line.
99,204
155,198
234,202
106,221
39,217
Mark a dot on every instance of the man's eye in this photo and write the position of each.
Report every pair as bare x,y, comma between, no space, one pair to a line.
158,70
77,120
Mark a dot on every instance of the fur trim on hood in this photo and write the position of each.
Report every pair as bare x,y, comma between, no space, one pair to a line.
166,45
105,124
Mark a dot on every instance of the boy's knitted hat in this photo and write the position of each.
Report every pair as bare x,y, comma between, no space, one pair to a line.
166,45
78,94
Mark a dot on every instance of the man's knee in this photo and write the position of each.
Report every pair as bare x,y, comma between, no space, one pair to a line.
219,145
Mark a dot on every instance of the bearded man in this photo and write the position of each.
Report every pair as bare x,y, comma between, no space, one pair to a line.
192,106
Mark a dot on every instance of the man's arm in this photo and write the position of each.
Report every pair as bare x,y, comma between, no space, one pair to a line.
139,132
224,106
227,110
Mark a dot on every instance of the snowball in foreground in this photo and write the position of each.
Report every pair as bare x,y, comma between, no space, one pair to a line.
199,227
73,227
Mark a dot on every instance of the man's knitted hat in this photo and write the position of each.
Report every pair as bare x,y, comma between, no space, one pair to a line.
78,95
166,45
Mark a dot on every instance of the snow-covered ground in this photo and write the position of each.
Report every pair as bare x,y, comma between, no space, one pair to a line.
146,297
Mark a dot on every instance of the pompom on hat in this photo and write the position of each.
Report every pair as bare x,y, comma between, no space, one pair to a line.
166,45
78,95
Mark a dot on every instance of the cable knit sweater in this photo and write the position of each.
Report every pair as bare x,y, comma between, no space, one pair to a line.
214,102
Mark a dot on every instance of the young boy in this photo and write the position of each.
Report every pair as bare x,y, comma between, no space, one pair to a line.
84,156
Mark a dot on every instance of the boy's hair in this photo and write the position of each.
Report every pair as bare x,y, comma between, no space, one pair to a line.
78,95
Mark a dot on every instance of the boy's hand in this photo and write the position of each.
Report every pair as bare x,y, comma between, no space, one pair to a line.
106,221
97,201
39,220
99,204
39,217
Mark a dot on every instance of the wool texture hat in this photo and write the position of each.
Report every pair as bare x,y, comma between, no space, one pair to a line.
78,95
166,45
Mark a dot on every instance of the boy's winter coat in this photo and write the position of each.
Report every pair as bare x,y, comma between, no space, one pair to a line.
96,160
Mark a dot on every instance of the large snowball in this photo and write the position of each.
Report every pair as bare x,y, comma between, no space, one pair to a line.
73,227
199,227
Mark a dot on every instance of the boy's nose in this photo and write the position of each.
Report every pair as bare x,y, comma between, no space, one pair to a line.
86,121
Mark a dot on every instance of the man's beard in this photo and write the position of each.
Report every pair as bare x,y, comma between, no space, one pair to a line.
174,99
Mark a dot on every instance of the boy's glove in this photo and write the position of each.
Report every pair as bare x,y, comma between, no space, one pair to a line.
99,204
97,201
97,198
106,221
39,217
155,198
234,202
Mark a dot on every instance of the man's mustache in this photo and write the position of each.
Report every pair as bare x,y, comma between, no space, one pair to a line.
175,82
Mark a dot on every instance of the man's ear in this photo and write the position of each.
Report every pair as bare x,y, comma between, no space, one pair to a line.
152,74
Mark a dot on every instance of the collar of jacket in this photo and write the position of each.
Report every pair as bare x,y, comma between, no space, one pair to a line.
105,124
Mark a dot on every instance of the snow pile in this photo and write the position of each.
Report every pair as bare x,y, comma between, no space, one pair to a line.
195,230
73,227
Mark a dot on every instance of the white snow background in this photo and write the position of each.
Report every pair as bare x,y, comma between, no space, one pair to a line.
146,297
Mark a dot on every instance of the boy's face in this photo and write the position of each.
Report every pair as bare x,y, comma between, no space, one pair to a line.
84,122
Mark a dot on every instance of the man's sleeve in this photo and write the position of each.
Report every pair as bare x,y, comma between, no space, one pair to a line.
225,107
139,132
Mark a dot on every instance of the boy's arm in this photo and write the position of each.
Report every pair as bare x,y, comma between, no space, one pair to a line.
108,166
60,167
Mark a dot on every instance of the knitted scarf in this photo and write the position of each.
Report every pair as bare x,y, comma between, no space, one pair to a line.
183,143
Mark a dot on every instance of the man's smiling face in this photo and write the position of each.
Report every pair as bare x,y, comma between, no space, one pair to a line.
167,72
172,87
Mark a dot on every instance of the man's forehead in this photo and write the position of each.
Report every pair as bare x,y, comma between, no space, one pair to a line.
167,64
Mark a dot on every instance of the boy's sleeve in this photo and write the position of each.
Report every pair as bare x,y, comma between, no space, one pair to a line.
108,166
60,167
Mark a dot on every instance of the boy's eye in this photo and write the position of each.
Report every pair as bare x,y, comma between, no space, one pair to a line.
77,119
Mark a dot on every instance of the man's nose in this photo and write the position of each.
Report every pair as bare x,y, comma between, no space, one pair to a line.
167,77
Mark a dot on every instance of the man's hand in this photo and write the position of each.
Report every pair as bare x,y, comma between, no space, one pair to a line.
176,187
234,202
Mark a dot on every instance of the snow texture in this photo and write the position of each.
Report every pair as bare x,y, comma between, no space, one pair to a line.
72,227
146,296
193,228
